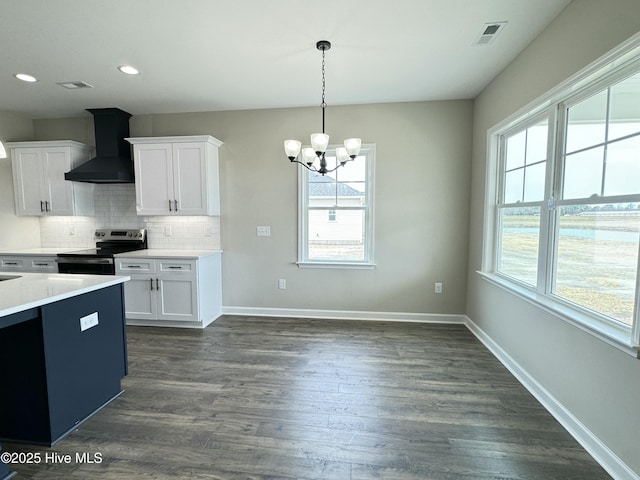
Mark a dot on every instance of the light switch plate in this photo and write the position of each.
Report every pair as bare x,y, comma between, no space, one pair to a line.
263,231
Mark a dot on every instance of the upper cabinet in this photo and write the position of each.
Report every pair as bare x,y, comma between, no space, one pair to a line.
38,178
176,175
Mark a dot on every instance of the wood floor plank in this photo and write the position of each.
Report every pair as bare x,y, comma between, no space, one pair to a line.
254,398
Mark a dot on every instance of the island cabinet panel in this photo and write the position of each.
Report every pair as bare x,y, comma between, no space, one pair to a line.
84,368
5,473
65,361
23,403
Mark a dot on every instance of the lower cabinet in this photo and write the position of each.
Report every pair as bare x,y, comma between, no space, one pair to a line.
172,291
28,263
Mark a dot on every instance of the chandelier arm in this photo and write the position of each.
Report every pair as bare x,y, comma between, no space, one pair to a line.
341,164
311,169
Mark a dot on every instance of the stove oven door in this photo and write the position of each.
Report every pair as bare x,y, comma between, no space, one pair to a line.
86,265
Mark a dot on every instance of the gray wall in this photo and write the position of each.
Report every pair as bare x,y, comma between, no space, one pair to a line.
599,384
17,232
421,205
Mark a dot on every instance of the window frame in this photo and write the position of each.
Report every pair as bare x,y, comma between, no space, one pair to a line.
611,69
369,152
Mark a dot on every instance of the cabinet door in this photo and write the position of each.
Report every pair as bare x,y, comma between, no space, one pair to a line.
140,297
58,192
154,179
28,182
190,178
177,298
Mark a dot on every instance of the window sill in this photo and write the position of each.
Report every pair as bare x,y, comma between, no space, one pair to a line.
618,337
344,265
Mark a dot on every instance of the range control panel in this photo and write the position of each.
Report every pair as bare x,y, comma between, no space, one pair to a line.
106,234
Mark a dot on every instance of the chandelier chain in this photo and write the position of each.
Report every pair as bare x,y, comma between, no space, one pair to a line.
323,105
323,81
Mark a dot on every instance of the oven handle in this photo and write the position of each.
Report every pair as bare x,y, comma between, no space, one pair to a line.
85,261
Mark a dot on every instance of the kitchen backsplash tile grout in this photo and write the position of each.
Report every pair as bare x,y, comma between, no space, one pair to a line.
115,208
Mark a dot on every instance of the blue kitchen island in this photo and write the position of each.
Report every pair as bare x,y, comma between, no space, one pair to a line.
63,353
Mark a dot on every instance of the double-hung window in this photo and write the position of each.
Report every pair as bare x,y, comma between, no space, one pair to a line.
335,224
563,228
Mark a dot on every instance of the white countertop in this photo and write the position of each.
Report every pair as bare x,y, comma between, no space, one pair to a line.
38,251
36,289
168,253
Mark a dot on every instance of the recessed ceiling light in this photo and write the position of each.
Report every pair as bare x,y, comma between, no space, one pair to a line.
25,77
129,70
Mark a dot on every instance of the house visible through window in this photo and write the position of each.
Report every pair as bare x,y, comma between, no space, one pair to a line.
336,213
565,222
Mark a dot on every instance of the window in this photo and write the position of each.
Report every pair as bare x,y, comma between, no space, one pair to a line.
598,214
564,223
524,169
336,213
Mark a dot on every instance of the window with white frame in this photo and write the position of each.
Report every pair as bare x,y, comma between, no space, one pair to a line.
564,222
335,226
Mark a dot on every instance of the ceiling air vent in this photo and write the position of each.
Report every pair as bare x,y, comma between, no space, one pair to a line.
489,33
75,85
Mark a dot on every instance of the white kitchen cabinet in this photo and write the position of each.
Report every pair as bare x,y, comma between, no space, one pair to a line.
176,175
28,263
38,178
176,292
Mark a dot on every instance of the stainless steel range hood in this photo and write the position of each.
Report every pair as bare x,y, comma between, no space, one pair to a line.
112,163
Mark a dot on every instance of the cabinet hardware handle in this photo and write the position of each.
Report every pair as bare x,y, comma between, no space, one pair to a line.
46,205
175,205
157,284
170,206
151,284
11,263
133,266
41,264
174,267
41,206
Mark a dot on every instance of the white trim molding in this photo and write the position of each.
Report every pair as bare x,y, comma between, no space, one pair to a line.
592,444
345,315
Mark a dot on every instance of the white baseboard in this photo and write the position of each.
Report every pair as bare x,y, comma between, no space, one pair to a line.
592,444
344,315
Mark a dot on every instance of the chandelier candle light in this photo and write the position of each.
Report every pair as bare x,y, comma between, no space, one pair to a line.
320,141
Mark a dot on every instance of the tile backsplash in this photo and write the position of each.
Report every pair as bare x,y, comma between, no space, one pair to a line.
115,207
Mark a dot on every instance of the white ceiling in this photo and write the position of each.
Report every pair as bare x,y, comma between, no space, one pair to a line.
207,55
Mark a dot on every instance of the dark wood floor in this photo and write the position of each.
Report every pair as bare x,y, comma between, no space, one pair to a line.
258,398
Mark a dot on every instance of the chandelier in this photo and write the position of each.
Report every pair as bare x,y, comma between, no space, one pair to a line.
320,141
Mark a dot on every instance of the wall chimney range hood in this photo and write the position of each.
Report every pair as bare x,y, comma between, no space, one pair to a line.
112,163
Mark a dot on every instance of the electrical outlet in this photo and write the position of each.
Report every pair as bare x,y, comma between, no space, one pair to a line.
282,284
167,230
88,321
263,231
438,287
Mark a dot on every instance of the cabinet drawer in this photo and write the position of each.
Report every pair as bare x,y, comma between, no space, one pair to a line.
43,265
8,263
177,266
130,265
